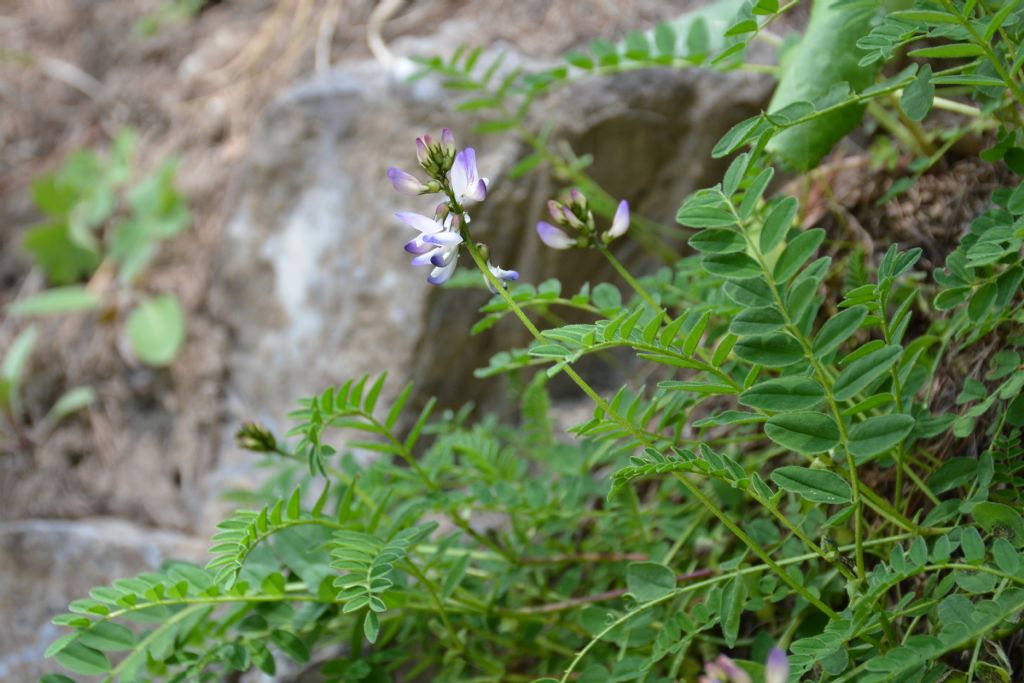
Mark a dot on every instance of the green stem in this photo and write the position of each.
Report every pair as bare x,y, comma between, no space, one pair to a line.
602,405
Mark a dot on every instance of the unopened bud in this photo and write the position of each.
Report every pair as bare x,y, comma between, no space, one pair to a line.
256,438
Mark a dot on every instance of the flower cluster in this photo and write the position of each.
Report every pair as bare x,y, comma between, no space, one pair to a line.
725,670
574,214
453,174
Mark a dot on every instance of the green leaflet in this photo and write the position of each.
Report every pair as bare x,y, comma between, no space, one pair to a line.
818,486
784,394
774,350
863,371
838,329
878,434
649,580
803,432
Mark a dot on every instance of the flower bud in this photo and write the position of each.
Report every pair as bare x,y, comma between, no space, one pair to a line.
256,438
406,183
776,669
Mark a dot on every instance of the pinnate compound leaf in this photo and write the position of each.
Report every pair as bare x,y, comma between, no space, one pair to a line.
818,486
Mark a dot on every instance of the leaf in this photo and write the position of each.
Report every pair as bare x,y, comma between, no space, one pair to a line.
649,580
952,51
83,660
734,598
108,636
733,266
878,434
863,371
63,260
371,626
156,329
774,351
1000,520
917,97
71,401
1007,559
291,645
796,253
55,678
754,321
784,394
70,299
803,432
827,55
778,223
818,486
718,241
838,329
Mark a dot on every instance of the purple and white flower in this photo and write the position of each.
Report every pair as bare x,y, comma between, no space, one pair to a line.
733,672
554,237
504,276
620,224
776,668
467,185
437,244
406,183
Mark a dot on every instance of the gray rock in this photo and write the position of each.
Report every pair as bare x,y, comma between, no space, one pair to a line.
46,564
314,282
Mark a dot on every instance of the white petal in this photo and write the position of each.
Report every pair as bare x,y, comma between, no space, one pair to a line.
442,257
422,223
477,191
460,173
425,258
439,276
444,239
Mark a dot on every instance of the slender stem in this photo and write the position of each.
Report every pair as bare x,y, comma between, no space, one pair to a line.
436,599
602,405
632,281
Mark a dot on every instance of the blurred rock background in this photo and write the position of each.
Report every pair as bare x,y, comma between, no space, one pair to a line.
292,273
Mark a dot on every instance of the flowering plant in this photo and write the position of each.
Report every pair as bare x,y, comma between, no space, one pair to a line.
800,495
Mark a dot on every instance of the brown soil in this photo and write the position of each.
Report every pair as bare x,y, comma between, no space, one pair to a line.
74,72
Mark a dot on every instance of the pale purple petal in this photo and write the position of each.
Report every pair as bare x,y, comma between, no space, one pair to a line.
422,153
621,222
418,245
439,276
734,673
444,239
425,258
553,237
776,669
555,209
405,183
421,223
447,139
